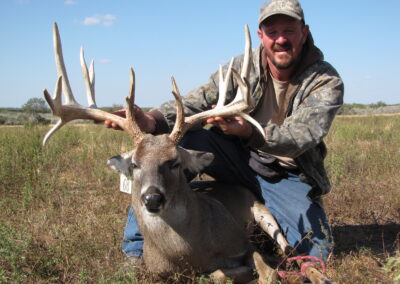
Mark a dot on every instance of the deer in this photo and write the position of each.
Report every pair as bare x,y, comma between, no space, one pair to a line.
204,230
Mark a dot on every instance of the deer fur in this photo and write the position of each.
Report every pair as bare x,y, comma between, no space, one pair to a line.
182,228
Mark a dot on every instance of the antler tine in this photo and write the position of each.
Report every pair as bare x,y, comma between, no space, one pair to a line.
54,104
179,127
89,80
69,97
247,54
246,65
133,129
91,73
244,87
92,81
223,84
71,110
252,121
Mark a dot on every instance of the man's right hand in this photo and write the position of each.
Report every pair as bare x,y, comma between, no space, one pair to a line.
145,121
109,124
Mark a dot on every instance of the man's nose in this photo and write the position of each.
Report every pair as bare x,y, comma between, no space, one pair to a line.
281,39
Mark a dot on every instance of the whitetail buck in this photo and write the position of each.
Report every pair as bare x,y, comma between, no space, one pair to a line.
182,229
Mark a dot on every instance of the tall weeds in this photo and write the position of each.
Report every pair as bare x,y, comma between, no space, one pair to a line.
62,216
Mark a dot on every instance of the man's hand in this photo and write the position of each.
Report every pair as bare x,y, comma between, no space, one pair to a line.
145,121
109,124
234,125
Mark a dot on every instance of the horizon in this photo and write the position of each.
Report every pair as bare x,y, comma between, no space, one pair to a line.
372,105
189,40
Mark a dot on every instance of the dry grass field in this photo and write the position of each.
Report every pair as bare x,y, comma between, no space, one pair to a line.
62,215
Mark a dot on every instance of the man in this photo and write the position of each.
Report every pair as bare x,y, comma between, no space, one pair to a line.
296,95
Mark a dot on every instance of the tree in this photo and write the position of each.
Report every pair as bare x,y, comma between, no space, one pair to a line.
35,106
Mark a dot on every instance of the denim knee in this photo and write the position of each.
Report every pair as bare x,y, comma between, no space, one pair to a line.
303,221
132,242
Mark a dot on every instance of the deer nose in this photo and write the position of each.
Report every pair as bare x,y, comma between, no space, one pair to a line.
153,199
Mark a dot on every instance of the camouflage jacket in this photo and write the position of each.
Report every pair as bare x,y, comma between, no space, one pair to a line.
315,92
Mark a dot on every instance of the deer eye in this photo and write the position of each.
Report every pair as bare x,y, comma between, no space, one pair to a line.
133,166
173,164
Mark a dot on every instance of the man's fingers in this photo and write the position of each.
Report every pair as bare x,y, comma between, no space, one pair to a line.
120,112
107,123
210,120
218,120
113,125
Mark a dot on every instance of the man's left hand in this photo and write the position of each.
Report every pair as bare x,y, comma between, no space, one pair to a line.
234,125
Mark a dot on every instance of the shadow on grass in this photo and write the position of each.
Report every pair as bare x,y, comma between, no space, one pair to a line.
379,238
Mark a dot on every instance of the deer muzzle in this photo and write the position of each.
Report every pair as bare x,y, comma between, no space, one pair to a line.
153,199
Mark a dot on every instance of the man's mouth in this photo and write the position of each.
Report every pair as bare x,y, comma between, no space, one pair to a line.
281,48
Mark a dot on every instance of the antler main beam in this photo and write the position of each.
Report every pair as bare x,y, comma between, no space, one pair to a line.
71,110
240,105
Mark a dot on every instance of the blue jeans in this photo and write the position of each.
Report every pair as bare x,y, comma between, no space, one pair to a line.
303,221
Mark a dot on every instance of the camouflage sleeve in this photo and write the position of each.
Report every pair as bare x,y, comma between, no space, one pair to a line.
199,99
314,109
195,101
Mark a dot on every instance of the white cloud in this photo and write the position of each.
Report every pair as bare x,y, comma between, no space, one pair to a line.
89,21
69,2
104,61
104,20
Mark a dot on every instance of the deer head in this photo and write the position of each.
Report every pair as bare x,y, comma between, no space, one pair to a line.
157,164
157,168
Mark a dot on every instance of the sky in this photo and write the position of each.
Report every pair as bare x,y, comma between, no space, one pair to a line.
185,39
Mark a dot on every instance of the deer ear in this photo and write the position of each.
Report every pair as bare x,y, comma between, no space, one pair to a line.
121,163
195,161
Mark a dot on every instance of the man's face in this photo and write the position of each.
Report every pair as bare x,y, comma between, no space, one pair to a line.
283,38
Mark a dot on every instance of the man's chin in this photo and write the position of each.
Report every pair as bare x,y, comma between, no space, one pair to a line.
283,64
281,61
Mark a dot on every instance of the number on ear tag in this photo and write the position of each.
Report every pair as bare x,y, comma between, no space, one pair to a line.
125,184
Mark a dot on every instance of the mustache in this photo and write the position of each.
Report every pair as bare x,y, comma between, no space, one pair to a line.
281,47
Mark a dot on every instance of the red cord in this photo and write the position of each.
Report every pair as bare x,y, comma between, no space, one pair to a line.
303,267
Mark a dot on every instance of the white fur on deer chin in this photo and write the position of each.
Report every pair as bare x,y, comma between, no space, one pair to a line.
179,210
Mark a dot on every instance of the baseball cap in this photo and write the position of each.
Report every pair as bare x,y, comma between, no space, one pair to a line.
290,8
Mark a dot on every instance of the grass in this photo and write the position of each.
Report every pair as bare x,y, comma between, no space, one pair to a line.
364,205
62,215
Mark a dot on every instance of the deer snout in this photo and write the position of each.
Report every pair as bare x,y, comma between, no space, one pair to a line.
153,199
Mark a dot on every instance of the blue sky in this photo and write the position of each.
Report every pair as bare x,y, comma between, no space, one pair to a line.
186,39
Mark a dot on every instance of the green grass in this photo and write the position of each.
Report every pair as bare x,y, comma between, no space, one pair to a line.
62,215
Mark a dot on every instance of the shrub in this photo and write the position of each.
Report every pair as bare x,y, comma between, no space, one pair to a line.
32,119
378,104
35,106
3,119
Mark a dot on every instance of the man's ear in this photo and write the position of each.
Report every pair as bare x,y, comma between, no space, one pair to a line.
305,31
121,163
195,161
260,34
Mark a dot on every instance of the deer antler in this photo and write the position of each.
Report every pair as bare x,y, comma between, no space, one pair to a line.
71,110
239,106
